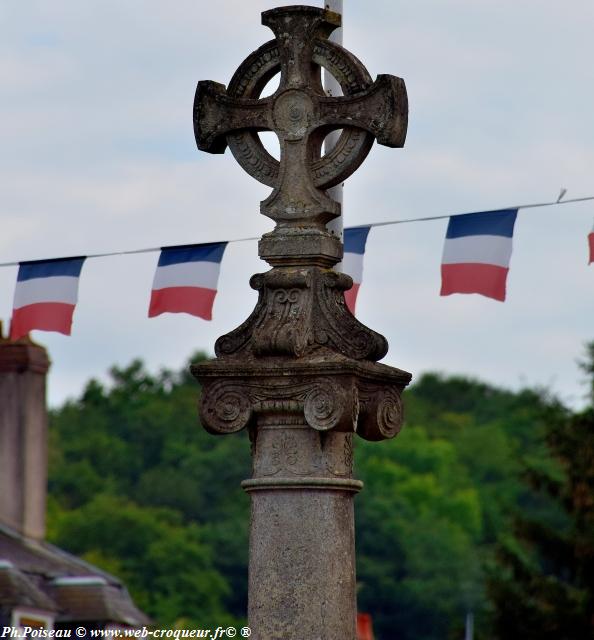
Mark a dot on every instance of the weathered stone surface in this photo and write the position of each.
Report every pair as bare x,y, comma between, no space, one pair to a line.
301,373
301,116
328,394
302,577
301,312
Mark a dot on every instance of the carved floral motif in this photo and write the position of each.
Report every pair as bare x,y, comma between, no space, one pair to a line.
284,451
302,312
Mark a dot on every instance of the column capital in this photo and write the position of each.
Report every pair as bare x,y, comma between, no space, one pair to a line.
340,395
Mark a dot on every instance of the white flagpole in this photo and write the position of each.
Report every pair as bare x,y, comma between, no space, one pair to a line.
332,88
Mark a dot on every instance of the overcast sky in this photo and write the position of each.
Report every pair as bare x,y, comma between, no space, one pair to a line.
97,154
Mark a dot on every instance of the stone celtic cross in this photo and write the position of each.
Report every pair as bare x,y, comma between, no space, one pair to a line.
301,116
301,373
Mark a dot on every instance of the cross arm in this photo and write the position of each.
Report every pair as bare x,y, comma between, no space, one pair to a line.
381,109
216,114
296,29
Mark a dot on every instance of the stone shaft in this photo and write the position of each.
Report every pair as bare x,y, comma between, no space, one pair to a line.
302,546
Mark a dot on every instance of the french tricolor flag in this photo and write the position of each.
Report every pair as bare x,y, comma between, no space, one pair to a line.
45,296
355,239
186,279
591,245
477,252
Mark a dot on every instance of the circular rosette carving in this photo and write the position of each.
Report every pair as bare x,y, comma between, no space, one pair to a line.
225,408
326,405
384,415
390,415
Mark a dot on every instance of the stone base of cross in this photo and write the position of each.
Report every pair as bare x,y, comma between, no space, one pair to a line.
301,373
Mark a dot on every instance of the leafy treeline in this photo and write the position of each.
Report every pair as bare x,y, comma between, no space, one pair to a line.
543,585
138,488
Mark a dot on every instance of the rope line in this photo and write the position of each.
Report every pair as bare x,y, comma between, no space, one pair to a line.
373,224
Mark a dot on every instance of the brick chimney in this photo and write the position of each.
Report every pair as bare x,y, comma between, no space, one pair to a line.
23,436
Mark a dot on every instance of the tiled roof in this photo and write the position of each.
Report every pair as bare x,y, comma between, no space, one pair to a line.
96,601
16,590
42,576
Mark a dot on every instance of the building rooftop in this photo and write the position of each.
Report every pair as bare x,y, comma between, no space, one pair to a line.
40,576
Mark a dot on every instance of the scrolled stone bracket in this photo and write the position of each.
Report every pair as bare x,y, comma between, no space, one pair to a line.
382,411
301,313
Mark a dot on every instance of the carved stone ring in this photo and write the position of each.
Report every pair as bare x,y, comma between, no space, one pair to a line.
250,79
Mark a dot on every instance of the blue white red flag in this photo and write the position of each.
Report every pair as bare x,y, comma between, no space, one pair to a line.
477,252
355,239
45,296
591,245
186,280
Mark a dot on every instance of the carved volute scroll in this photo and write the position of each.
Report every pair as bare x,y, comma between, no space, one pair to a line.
301,358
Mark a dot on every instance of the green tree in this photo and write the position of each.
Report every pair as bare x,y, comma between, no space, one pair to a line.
436,501
140,489
418,526
167,566
543,587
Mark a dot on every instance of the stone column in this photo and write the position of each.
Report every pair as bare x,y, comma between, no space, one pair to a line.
301,413
301,373
23,436
302,540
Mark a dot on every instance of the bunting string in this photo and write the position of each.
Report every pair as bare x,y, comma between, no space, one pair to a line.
476,258
372,224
